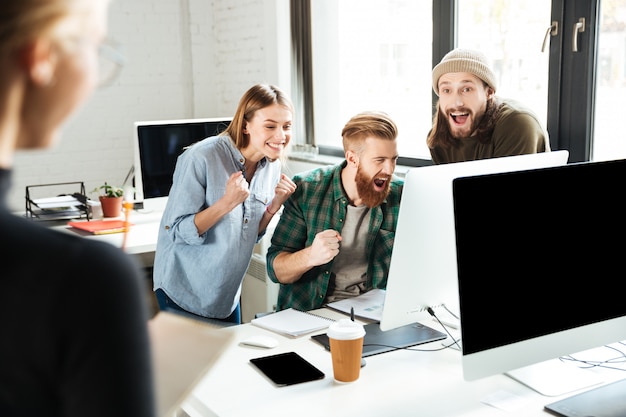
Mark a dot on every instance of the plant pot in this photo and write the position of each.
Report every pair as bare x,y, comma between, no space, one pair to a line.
111,206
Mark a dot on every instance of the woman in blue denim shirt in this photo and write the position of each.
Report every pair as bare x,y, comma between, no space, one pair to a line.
225,191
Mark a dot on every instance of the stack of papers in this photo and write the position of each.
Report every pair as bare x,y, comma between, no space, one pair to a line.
54,208
368,305
61,202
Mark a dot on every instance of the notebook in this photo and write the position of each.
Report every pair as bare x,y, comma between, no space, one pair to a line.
292,322
605,401
100,227
376,341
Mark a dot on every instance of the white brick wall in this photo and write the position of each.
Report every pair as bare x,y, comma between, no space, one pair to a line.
185,59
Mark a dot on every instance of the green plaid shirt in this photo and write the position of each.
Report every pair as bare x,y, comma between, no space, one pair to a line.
319,203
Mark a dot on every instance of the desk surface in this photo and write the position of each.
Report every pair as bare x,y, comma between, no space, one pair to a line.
399,383
141,239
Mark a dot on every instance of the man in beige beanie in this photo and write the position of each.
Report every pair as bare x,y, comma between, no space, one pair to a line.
471,122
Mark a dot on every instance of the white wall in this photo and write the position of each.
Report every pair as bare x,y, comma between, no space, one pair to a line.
185,59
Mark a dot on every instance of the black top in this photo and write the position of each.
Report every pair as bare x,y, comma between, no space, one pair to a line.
73,326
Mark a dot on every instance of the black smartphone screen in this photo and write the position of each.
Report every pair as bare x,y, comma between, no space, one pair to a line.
287,368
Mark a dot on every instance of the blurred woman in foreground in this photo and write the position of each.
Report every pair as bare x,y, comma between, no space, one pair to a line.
74,319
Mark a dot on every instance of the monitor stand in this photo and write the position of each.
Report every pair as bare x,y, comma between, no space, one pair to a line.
554,377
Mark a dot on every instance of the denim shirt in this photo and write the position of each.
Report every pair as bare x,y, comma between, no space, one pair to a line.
203,273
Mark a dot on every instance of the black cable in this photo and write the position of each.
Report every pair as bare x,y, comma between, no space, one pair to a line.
622,354
405,348
600,364
432,313
451,313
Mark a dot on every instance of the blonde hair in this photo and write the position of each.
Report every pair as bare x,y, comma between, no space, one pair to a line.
21,21
371,123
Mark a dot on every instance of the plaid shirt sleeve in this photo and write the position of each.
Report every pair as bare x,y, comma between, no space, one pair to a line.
319,204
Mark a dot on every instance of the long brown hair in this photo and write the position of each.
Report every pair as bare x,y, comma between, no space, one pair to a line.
257,97
440,134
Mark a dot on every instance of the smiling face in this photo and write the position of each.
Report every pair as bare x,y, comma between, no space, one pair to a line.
463,101
269,132
376,165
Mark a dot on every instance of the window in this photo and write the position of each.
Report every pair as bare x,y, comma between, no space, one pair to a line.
511,34
379,54
610,83
372,55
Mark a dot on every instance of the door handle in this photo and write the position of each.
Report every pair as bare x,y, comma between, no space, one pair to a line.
552,30
579,27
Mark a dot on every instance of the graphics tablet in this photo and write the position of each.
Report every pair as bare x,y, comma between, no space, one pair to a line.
605,401
287,368
376,341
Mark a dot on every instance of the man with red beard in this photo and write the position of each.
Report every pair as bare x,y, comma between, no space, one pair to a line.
471,122
335,236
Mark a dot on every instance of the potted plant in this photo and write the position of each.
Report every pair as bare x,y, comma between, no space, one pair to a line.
110,199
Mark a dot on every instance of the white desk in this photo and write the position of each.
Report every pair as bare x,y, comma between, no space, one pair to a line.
399,383
142,237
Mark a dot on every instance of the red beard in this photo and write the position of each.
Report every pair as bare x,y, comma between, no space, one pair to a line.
370,196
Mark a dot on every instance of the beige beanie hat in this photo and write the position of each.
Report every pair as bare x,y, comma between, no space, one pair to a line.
464,60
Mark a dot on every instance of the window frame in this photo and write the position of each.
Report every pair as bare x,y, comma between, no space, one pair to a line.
571,74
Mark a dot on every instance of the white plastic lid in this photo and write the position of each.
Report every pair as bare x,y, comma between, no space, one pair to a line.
345,329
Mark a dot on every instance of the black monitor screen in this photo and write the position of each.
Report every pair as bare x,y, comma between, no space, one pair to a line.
542,249
159,144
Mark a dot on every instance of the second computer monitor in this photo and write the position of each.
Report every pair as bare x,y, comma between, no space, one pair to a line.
540,258
423,270
157,146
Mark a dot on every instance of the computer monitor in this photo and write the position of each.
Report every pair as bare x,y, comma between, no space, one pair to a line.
423,271
540,261
157,145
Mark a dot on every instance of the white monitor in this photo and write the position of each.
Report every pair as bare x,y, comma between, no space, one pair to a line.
157,145
423,270
540,271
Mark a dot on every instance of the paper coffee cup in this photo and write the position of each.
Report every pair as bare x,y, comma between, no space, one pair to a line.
346,347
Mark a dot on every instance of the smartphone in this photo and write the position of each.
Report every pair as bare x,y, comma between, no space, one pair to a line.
287,368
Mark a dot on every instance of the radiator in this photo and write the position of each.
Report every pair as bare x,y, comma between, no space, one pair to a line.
258,292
